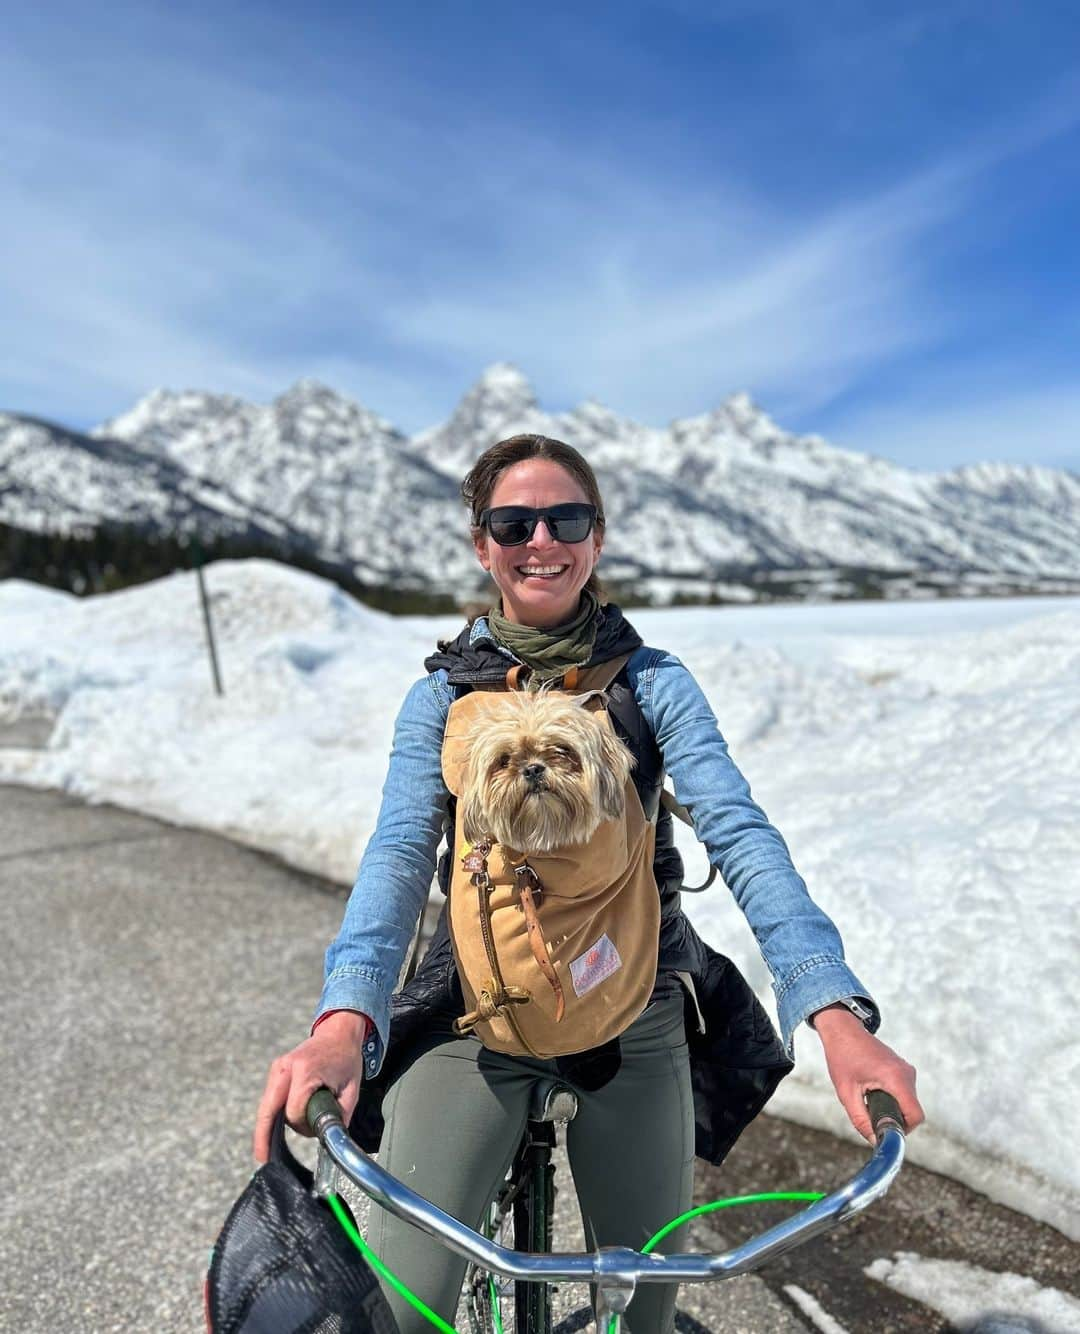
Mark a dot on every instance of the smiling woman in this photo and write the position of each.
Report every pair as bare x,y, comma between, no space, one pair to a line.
540,558
598,986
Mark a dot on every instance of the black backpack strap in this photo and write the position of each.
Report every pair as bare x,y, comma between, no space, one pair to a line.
671,803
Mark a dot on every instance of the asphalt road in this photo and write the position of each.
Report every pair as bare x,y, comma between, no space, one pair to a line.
150,974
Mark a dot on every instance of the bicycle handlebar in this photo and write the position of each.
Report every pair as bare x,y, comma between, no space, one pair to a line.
883,1108
617,1265
322,1107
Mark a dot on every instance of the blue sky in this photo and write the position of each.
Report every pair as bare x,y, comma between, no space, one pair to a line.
867,215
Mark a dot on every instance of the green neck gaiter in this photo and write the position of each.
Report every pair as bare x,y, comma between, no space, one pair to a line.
549,652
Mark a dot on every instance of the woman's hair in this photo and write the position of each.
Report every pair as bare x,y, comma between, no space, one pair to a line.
480,480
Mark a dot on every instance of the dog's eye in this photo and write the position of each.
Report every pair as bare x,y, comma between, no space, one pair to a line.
564,755
502,761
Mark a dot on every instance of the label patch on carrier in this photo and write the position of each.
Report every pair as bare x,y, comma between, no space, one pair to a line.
599,961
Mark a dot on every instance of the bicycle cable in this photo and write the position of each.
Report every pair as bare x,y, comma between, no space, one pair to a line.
351,1231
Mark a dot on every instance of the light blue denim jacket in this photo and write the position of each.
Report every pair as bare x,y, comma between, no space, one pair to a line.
799,943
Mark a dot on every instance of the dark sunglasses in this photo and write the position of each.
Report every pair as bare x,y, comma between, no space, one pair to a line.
511,525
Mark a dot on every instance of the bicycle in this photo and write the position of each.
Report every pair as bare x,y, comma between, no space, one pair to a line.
528,1196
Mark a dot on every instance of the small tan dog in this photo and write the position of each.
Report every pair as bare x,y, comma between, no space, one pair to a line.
554,914
542,772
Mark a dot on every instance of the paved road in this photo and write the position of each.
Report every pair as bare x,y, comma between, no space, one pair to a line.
149,975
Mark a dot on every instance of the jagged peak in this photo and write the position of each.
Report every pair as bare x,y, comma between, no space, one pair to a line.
308,389
602,423
502,399
737,412
593,411
506,378
163,397
748,417
162,405
742,403
312,405
501,388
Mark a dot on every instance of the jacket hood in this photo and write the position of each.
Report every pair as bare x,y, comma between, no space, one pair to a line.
474,657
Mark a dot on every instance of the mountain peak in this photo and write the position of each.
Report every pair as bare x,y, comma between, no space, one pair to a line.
742,404
740,411
497,404
165,411
310,390
504,378
326,418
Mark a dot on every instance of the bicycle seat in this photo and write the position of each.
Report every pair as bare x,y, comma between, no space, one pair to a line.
552,1101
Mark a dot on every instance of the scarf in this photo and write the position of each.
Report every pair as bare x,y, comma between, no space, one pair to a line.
549,652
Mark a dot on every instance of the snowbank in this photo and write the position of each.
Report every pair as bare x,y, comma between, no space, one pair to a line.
922,761
975,1299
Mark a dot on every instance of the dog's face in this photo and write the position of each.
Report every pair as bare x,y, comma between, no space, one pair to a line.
541,773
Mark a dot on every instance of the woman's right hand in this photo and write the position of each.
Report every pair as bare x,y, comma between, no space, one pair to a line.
333,1055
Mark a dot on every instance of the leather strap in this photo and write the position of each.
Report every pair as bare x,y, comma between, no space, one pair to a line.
494,999
527,879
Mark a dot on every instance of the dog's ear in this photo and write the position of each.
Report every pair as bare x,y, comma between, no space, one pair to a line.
471,815
615,765
470,806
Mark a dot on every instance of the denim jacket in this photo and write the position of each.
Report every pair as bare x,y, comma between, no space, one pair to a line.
798,941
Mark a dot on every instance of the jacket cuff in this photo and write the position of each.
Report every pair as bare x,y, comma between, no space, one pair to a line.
356,989
818,981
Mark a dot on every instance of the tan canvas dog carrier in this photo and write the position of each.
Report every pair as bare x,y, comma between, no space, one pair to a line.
556,951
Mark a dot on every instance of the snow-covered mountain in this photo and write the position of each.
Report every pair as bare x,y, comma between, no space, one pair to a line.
731,489
723,502
328,468
56,480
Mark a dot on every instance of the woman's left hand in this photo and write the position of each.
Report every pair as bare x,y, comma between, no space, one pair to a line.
858,1062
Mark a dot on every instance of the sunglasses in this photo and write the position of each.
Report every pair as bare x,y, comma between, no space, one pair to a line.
511,525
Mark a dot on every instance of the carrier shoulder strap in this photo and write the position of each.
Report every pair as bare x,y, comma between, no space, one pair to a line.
671,803
596,679
580,680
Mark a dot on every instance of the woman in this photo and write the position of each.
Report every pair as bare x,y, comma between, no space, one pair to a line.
453,1118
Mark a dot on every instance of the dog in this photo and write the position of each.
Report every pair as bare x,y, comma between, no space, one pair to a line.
542,772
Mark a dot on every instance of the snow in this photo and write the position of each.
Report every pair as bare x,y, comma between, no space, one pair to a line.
978,1300
921,759
813,1310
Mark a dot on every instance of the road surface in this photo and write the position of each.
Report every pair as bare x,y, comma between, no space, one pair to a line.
151,973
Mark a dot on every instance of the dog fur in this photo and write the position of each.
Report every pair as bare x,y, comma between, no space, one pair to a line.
542,772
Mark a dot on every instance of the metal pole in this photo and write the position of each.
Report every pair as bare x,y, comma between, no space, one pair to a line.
209,625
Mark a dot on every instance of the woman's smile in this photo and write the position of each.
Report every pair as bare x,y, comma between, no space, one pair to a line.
541,571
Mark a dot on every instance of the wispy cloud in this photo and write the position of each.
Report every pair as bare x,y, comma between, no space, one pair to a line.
228,228
639,319
663,307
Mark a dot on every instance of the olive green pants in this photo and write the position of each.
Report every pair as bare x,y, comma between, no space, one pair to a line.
453,1124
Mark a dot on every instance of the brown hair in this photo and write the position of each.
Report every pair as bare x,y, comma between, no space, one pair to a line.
480,480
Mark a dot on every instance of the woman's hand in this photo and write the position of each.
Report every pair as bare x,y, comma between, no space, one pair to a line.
333,1055
857,1062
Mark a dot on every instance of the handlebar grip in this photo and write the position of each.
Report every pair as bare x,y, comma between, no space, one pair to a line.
883,1107
322,1107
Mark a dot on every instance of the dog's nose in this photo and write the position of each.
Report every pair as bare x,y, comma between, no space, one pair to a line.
532,773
